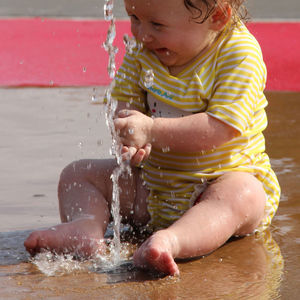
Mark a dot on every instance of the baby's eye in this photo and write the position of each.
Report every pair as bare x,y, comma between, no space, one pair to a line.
133,18
157,26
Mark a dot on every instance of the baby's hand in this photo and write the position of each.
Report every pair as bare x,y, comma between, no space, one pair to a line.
134,155
134,128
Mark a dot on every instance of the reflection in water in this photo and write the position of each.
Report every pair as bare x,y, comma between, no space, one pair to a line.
283,165
248,268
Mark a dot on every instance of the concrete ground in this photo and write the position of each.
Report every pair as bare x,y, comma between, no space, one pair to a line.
259,9
41,131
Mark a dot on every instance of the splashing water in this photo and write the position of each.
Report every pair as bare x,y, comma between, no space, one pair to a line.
111,49
51,264
131,43
123,168
111,34
56,265
108,10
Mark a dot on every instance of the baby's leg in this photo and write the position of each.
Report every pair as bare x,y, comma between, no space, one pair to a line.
232,205
85,194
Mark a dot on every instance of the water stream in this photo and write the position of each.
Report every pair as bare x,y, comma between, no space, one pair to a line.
123,168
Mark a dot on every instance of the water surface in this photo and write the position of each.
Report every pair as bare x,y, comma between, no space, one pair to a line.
42,130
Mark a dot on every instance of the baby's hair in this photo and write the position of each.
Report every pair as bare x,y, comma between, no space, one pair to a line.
239,11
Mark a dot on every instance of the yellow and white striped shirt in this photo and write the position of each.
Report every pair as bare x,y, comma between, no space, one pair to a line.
227,82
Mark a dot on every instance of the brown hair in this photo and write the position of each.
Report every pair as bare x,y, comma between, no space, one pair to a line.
239,11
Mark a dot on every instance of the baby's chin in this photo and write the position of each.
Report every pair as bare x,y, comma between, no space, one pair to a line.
165,56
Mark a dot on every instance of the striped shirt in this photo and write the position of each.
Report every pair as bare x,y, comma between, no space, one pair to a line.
226,82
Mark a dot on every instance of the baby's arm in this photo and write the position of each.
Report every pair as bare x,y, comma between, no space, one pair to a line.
197,132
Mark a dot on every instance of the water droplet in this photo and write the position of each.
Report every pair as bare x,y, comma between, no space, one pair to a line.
108,10
148,78
94,99
166,149
131,131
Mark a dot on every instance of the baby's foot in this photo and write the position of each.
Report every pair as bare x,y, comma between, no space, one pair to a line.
80,237
157,252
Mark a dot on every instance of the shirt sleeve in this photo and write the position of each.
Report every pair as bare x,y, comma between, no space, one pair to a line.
126,86
240,81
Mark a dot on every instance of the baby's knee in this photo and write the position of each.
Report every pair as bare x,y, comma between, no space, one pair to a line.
250,201
244,196
71,173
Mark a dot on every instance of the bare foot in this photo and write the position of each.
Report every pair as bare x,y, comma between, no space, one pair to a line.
157,252
81,237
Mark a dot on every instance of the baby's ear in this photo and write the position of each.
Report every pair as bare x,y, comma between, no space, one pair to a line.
220,17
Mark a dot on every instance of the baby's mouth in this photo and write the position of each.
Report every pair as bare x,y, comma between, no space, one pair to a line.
164,51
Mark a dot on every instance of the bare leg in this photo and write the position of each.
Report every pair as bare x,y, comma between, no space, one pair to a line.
232,205
85,192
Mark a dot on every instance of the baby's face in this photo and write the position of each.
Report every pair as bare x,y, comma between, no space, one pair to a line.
166,28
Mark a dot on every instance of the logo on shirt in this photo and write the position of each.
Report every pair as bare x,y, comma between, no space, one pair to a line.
161,93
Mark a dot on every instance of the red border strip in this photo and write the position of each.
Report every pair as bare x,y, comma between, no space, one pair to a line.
280,43
51,52
54,52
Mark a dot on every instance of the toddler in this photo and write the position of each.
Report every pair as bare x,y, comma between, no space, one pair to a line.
194,138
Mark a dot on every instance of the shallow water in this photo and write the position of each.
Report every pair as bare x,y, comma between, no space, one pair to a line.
42,130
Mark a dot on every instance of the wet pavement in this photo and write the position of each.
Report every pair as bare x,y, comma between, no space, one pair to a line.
42,130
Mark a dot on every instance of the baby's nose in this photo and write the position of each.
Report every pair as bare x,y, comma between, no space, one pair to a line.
144,34
146,38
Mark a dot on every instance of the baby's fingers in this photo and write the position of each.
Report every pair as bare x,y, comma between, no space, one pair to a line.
128,152
138,157
124,113
141,155
147,149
